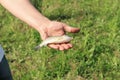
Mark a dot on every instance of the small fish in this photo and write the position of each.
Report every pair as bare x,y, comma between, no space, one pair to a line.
54,39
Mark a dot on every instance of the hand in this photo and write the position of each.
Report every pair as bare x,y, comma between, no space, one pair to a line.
54,28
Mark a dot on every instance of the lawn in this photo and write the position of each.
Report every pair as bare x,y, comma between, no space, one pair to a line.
94,56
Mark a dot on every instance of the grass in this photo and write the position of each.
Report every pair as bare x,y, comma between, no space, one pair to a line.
96,51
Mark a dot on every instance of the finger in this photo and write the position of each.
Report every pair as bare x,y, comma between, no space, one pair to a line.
65,46
61,47
70,29
54,46
70,45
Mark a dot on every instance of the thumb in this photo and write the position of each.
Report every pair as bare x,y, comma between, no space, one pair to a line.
70,29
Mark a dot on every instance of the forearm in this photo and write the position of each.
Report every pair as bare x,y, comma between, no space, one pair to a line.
25,11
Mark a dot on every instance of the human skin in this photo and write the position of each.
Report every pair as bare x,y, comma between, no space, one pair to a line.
24,10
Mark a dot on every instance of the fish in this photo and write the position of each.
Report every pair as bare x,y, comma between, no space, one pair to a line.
54,39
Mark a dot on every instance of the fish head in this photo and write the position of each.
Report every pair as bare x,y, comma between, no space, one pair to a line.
68,38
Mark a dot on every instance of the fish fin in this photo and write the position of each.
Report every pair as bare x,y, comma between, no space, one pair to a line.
37,47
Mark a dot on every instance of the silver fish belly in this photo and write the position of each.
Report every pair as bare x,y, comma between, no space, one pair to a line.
54,39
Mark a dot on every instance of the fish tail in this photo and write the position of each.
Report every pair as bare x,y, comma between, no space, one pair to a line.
37,47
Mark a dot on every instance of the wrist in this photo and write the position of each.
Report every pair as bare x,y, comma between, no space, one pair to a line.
40,24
